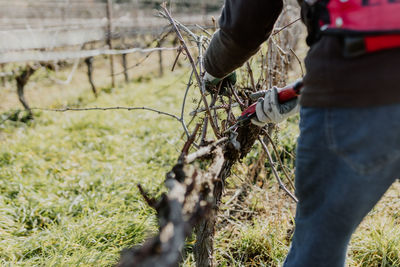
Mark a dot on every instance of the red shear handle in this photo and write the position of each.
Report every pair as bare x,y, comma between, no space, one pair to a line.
287,95
290,92
248,112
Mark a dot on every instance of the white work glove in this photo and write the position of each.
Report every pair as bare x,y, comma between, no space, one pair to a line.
269,110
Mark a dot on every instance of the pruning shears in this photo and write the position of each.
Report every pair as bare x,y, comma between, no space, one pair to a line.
284,95
244,118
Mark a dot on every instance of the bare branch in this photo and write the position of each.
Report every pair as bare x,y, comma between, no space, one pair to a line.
182,40
110,108
286,26
188,199
150,201
250,71
69,78
204,131
189,84
168,16
199,80
224,153
224,106
203,151
279,159
299,61
189,142
237,98
274,171
204,30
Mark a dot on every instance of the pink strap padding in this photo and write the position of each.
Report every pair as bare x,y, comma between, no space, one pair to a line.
378,15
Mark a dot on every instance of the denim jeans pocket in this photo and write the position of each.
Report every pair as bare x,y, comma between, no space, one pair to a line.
367,139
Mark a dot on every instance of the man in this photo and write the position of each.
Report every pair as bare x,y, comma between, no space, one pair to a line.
349,146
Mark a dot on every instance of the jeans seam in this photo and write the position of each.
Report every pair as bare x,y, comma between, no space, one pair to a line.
365,169
332,145
330,140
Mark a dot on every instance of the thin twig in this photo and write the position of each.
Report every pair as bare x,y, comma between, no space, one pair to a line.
109,108
237,193
213,123
274,171
182,40
204,131
167,15
224,106
284,27
189,84
161,37
199,80
250,71
279,48
279,159
299,61
203,29
238,100
270,63
69,78
213,101
176,59
136,64
190,140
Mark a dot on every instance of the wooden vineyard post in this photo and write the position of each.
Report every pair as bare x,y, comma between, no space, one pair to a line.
109,39
125,66
3,78
22,80
160,61
89,64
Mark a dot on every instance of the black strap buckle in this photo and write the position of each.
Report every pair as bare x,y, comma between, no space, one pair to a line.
354,46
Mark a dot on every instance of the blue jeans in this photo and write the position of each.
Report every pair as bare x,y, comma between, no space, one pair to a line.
346,160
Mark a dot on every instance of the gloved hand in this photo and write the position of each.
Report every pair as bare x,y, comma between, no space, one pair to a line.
212,83
269,110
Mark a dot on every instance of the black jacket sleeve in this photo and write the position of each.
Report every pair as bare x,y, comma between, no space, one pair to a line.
244,26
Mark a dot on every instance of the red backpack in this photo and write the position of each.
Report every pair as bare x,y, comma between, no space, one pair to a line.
376,21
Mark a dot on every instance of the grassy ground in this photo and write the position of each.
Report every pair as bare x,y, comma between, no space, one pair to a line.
68,193
68,181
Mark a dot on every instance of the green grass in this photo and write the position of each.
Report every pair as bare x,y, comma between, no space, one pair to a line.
69,197
258,243
68,193
378,244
